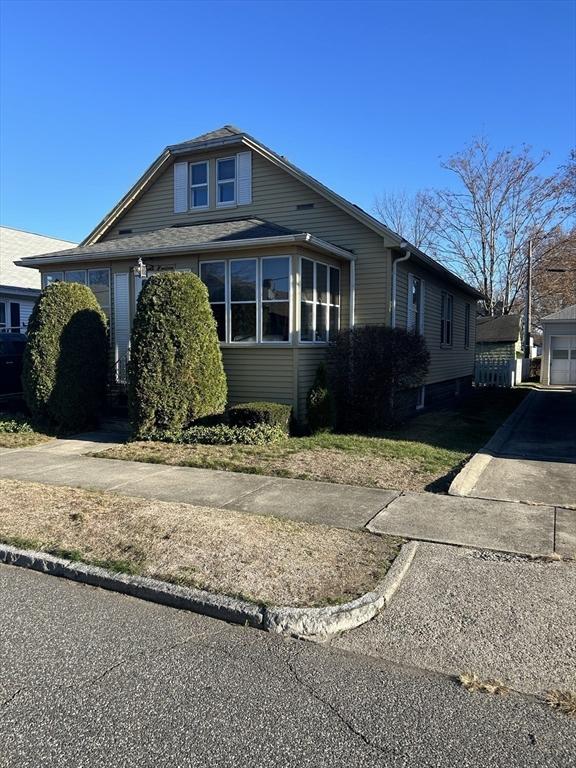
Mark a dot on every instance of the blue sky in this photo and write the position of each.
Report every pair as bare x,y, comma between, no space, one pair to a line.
366,96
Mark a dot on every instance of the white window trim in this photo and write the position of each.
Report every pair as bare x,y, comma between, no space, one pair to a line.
258,301
229,203
5,323
192,187
421,397
315,302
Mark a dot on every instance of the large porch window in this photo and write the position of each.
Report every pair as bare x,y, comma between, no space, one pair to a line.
250,298
319,302
96,279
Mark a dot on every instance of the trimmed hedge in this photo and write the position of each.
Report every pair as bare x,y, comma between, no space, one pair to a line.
252,414
319,403
368,366
175,374
223,434
65,365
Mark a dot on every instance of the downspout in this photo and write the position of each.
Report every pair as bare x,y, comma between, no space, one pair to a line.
394,278
352,293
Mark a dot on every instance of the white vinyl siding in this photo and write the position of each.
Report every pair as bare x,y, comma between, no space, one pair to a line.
180,187
447,319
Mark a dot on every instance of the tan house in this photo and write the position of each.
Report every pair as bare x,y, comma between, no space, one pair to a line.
287,263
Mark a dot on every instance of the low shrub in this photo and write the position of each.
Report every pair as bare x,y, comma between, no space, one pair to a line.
368,365
222,434
12,423
65,365
253,414
319,403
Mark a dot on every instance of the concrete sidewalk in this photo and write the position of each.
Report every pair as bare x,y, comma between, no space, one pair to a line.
509,527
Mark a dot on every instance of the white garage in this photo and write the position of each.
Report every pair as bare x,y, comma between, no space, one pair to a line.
559,348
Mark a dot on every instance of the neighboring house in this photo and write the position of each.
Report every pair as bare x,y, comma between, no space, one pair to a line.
559,348
20,287
287,263
498,338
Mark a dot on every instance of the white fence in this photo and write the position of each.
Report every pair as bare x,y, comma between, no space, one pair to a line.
500,373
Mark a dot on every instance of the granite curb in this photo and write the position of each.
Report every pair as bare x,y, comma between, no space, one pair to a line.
317,624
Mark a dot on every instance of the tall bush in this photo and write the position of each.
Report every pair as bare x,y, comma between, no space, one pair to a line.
369,365
175,374
65,362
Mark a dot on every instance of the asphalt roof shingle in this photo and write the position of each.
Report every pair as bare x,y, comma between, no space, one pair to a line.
504,328
568,313
193,234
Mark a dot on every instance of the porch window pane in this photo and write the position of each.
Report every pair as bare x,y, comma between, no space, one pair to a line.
334,286
275,279
213,275
76,276
275,321
219,311
320,322
99,282
243,277
322,283
244,322
307,280
306,322
52,277
334,322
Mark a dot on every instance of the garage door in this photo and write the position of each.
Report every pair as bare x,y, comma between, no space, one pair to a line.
563,360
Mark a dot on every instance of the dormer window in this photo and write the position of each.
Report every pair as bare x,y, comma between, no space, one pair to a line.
199,185
226,181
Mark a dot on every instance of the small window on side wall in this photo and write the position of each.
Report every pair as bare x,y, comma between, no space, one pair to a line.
446,319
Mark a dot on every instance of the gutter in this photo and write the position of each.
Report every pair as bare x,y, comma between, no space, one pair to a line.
305,238
394,280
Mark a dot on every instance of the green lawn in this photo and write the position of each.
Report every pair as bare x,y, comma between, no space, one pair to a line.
423,455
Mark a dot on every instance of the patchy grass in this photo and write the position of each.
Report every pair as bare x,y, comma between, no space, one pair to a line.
17,432
563,701
426,454
473,683
264,559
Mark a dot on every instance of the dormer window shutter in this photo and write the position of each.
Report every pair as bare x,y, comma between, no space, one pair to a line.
180,187
244,165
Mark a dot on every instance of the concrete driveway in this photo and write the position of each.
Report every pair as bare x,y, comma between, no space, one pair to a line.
532,458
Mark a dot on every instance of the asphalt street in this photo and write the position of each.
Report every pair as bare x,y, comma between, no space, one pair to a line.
93,678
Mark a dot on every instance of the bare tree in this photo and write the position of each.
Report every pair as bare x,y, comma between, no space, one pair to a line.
414,217
499,204
554,274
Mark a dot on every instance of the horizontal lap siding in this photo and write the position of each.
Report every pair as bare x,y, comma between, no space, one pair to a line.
256,373
308,362
448,362
275,197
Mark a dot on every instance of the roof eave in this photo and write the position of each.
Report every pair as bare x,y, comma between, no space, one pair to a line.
303,239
